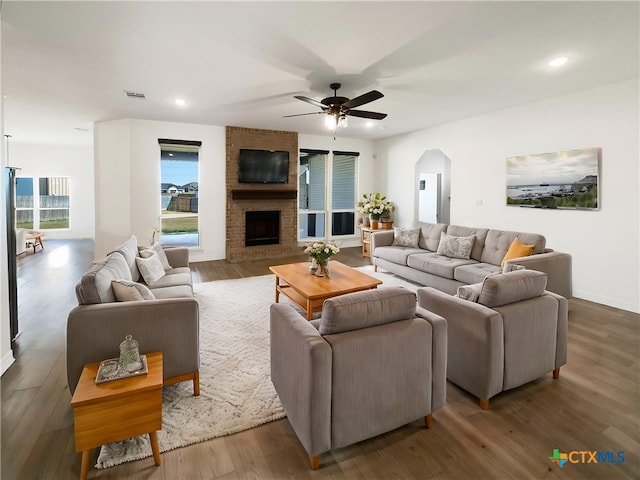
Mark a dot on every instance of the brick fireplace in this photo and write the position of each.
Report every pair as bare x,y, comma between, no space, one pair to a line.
249,200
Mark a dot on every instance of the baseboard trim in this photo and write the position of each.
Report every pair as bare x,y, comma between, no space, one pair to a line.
7,361
608,301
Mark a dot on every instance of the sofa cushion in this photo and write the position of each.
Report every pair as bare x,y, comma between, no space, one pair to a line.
512,287
397,255
475,272
128,291
171,280
129,250
430,235
455,247
150,268
437,264
405,237
177,291
517,249
95,285
366,309
498,242
158,250
478,243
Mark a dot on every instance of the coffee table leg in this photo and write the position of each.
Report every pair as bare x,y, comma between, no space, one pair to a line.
84,464
309,309
277,291
153,436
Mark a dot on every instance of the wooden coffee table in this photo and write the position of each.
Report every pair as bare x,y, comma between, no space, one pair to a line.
112,411
309,291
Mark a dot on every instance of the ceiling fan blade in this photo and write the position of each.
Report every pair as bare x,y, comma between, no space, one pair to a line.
311,101
301,114
365,114
362,99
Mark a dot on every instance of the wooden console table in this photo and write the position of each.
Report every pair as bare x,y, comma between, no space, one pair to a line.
116,410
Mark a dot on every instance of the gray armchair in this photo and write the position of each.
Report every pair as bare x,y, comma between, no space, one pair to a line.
372,363
507,331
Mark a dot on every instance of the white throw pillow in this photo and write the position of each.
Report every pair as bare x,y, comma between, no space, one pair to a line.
150,268
157,249
128,291
455,247
405,237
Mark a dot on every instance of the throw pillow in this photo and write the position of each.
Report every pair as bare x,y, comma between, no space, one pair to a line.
470,292
405,237
512,267
157,249
516,250
150,268
455,247
128,291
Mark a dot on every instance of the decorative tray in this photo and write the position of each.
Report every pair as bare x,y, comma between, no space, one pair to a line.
110,370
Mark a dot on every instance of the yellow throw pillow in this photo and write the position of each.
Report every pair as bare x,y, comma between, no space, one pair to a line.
517,249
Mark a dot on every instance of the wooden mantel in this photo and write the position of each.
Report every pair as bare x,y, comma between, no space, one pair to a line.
263,194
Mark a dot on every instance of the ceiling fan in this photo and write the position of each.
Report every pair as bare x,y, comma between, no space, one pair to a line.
338,108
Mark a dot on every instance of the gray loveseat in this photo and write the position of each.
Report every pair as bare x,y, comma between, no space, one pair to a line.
167,323
422,264
372,363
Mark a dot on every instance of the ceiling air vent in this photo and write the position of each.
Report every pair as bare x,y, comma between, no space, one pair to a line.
131,94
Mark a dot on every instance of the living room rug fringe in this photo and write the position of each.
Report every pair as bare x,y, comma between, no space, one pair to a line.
235,385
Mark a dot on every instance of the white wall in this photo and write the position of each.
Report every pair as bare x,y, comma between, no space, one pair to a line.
127,162
62,161
604,243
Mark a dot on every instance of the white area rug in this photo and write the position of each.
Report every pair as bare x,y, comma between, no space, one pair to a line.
235,388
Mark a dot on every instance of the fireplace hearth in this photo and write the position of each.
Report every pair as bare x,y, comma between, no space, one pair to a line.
262,228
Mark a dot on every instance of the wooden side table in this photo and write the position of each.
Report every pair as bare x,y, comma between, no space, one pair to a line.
117,410
365,237
34,239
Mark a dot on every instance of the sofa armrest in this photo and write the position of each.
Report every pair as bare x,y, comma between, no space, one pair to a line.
177,256
563,329
170,326
556,265
438,358
475,341
301,374
383,238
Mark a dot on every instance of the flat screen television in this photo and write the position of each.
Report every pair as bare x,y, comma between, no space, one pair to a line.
263,166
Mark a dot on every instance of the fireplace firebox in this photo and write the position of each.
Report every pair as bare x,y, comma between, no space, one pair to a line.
262,228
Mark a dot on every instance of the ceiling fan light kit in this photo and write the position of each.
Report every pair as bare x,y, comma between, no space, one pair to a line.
337,109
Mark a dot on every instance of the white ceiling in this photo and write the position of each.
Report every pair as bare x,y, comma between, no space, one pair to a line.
65,65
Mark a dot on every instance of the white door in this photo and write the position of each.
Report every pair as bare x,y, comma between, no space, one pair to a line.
429,198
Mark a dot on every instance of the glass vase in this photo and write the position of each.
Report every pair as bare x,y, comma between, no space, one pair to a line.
323,267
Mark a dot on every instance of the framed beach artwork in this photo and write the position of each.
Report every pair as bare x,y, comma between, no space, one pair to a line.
568,180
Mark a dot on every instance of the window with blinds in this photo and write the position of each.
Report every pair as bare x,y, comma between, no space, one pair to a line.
326,194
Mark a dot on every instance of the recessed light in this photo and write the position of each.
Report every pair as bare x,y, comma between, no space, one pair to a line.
180,102
558,62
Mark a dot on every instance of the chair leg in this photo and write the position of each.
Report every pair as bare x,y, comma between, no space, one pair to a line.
484,404
428,421
556,373
315,462
196,384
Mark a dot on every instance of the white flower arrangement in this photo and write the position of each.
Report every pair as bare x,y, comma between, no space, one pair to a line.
375,205
322,250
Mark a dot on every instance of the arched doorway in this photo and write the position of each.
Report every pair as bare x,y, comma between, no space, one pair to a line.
433,192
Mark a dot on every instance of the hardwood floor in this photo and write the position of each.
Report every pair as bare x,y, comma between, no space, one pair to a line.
593,406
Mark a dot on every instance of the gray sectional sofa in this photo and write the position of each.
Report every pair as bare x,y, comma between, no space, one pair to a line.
422,264
165,319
